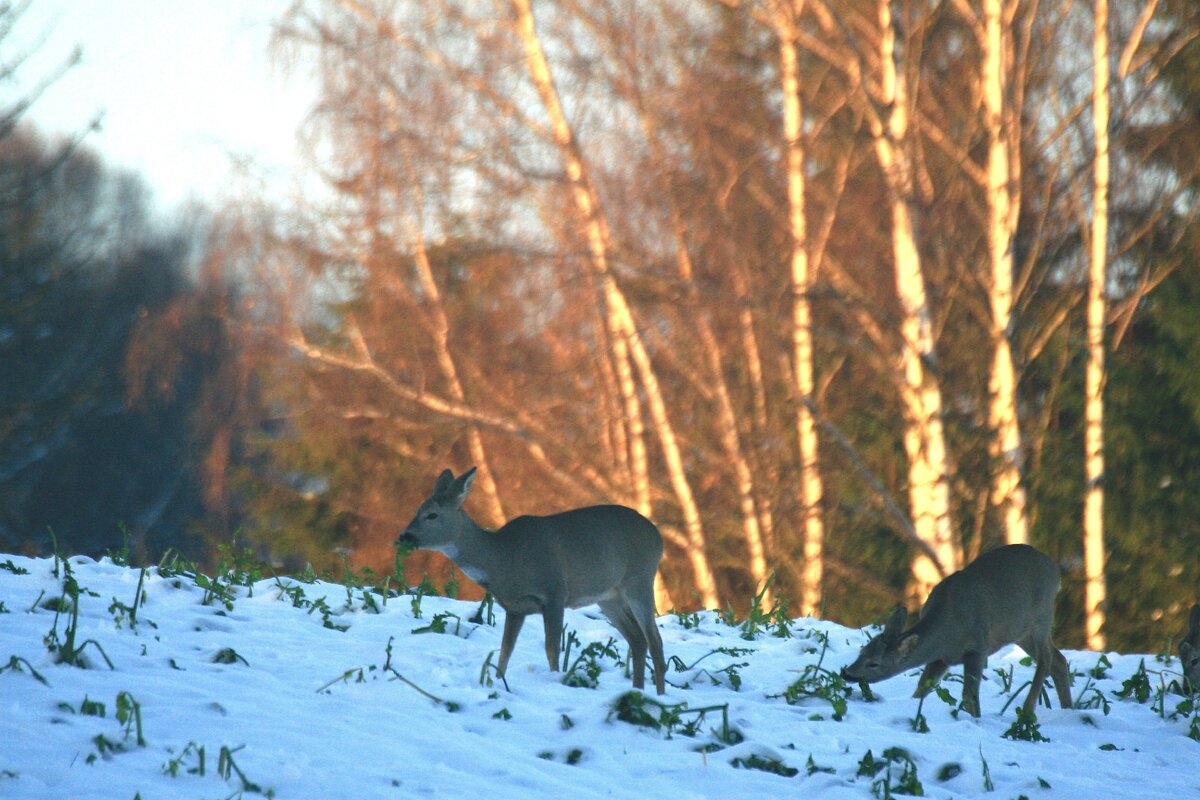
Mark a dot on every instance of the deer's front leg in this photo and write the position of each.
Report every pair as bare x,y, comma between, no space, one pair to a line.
552,617
930,676
512,627
973,664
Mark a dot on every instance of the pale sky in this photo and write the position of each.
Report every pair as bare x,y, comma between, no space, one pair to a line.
184,86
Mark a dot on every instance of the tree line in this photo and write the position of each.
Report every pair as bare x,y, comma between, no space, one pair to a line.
822,288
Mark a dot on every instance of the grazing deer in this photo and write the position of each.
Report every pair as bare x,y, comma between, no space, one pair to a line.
1189,651
1004,596
540,565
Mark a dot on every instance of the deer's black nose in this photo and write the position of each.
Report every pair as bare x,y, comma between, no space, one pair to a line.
406,538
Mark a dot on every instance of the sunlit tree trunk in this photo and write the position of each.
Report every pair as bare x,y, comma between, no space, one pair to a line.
596,230
1008,491
924,438
441,334
1093,513
728,430
802,339
767,468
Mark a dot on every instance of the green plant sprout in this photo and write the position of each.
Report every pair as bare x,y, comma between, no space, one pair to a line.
173,765
449,705
65,650
488,672
812,768
988,786
439,625
15,662
227,768
121,612
129,714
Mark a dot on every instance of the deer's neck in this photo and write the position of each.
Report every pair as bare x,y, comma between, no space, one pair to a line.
929,643
471,551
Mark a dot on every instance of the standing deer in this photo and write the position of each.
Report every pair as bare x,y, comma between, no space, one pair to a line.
1189,651
540,565
1004,596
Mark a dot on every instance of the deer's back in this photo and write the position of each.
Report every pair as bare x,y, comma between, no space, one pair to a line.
592,549
1004,596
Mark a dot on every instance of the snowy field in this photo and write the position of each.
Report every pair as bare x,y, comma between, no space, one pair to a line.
315,690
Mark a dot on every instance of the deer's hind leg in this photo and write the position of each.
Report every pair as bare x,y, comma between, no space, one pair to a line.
640,601
1060,671
621,616
1044,656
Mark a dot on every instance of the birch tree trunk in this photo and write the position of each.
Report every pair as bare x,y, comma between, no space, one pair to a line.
802,343
631,434
754,372
924,438
596,229
441,335
1000,119
727,424
1093,513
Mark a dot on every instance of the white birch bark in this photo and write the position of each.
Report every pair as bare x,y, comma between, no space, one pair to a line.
727,427
441,334
596,230
924,438
1008,492
1093,514
811,489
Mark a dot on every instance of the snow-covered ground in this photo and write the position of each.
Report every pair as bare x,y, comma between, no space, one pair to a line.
259,696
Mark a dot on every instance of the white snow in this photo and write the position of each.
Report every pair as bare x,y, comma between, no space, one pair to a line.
305,711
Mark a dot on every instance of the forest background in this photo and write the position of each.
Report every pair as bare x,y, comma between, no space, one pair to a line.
830,290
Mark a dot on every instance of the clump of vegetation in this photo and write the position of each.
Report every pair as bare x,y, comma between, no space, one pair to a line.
636,708
1026,728
894,773
1136,686
817,682
766,764
774,620
570,757
584,671
129,716
728,674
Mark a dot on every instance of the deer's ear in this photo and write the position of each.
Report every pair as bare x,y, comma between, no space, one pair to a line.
1185,650
1194,619
895,623
462,485
443,482
907,645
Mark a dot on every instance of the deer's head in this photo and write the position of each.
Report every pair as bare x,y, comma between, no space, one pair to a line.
886,654
438,520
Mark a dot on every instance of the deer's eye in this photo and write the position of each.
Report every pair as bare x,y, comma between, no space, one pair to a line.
431,515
